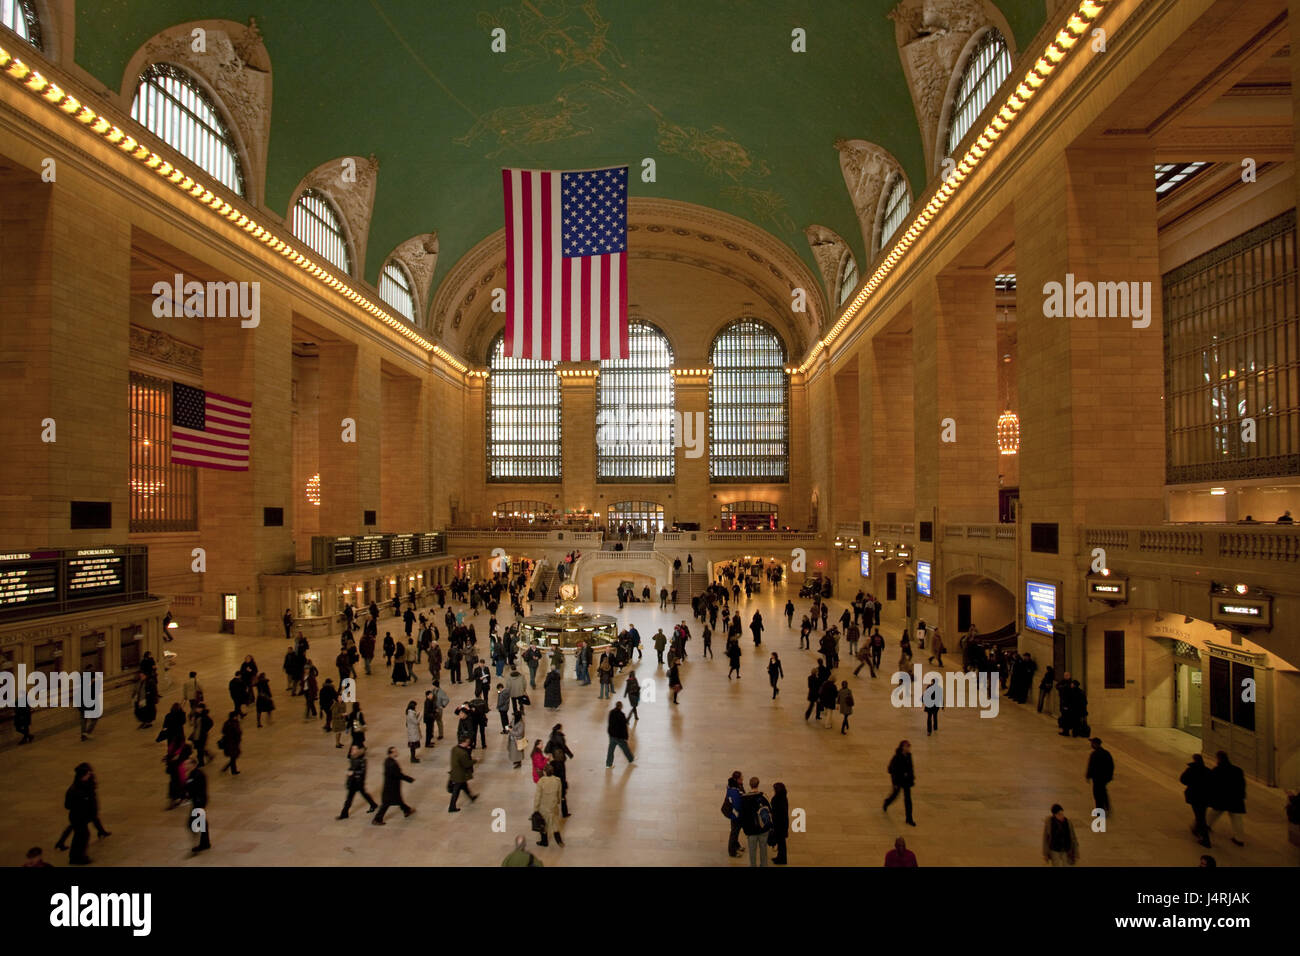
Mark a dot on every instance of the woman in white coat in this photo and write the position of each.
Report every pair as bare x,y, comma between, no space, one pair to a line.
413,730
517,742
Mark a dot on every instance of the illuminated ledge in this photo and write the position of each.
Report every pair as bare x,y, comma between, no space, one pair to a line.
56,98
1087,13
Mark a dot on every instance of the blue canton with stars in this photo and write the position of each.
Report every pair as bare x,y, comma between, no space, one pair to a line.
593,221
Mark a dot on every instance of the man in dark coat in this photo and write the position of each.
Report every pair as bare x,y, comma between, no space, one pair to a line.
196,784
356,780
82,805
618,735
328,694
392,795
1228,795
1101,770
1197,779
237,693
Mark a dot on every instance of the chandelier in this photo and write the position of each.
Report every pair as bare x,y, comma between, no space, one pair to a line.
313,490
1008,433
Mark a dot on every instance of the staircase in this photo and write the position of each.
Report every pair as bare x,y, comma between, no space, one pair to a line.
689,584
545,576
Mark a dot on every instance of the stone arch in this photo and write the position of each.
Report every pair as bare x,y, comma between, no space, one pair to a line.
353,201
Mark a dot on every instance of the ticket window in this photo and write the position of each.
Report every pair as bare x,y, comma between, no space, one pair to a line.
48,657
132,642
309,604
92,653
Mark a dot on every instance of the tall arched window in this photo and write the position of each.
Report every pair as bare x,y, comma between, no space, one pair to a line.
316,223
634,411
172,105
749,412
523,418
20,17
898,200
848,278
989,64
395,289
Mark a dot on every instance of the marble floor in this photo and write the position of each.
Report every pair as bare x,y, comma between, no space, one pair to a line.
983,788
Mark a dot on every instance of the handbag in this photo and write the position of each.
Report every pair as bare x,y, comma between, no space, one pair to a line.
451,787
538,822
526,701
522,744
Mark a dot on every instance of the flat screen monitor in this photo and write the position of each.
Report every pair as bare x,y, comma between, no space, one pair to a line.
923,578
1040,605
864,559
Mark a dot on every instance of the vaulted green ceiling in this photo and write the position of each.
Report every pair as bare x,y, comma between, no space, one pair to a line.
709,88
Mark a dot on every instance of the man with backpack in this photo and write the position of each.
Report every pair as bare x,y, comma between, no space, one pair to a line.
756,821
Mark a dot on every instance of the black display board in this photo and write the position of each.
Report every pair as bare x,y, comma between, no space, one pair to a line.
48,581
330,554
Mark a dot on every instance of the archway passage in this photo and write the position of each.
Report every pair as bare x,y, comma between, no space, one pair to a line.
975,601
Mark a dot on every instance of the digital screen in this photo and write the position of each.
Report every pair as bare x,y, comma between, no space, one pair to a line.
865,561
1040,606
29,583
370,549
402,546
923,578
95,575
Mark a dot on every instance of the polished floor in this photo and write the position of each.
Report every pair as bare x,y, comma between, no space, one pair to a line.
983,786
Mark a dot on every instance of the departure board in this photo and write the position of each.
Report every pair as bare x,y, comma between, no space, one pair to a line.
330,553
54,581
28,582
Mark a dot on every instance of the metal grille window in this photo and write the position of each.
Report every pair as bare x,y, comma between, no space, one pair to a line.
643,517
163,496
749,414
748,516
170,104
634,411
848,278
316,223
988,66
1232,359
395,289
897,203
523,418
20,17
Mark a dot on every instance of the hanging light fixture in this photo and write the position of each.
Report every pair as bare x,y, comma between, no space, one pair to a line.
313,490
1008,432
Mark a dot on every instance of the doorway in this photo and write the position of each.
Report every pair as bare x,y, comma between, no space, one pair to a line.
963,613
1188,700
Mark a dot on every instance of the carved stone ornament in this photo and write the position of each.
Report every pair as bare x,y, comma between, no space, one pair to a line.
420,256
829,250
166,350
866,168
353,196
236,68
931,35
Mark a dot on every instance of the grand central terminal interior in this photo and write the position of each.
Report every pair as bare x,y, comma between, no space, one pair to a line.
412,403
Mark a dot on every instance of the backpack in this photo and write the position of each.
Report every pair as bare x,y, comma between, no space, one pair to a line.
763,816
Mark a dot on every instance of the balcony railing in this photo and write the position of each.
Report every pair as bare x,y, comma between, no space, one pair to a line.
1206,542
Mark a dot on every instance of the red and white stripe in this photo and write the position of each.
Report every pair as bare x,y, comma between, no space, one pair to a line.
557,309
224,441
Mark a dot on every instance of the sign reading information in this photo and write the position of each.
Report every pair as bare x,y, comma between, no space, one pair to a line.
53,581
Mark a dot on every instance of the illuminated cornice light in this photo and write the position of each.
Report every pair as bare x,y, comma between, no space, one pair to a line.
55,97
1003,119
578,372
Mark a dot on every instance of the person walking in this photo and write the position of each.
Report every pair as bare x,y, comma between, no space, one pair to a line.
844,701
310,690
82,805
518,690
357,724
932,701
774,673
548,798
339,718
756,628
356,781
328,694
632,691
617,729
780,822
675,680
557,748
733,658
903,778
1060,845
462,772
531,657
605,673
814,693
517,743
264,702
1228,795
429,716
706,635
937,648
392,794
538,759
196,787
827,699
789,614
551,685
660,642
232,735
1101,770
756,821
1196,779
1045,685
503,707
412,718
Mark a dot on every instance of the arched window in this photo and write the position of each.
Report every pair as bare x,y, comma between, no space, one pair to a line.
523,418
20,17
316,223
525,513
848,278
749,516
634,411
170,104
898,201
989,64
749,420
395,289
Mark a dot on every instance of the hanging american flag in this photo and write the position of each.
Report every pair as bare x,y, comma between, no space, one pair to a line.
566,264
209,430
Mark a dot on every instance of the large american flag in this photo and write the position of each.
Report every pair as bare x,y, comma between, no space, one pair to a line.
566,264
209,430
